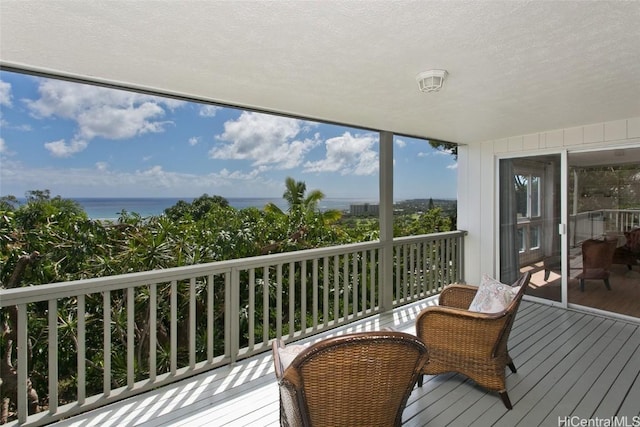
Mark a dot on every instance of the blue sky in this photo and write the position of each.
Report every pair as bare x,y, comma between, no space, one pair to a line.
86,141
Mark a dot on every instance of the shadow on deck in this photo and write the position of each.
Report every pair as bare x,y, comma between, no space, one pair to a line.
571,366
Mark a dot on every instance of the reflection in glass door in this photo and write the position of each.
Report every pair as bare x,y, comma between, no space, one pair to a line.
604,222
529,218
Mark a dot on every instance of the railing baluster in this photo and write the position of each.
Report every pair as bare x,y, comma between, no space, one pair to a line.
336,288
292,300
82,351
210,313
403,273
397,250
422,270
22,348
192,323
433,267
130,336
53,356
355,282
303,296
106,385
314,313
232,314
265,305
252,308
363,272
375,262
153,330
345,284
417,271
411,280
174,326
452,258
325,285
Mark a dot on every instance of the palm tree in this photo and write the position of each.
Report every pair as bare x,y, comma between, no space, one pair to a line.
302,209
295,197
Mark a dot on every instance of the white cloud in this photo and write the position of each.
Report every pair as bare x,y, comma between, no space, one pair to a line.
348,154
265,140
443,151
5,94
60,148
3,146
99,112
208,110
453,166
401,143
100,180
194,140
114,122
239,175
423,154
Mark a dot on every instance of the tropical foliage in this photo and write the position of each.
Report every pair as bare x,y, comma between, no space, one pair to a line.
49,239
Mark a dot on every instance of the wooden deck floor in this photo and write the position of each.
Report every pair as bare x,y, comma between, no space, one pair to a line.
572,366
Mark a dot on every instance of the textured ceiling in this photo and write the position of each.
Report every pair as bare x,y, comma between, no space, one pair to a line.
515,67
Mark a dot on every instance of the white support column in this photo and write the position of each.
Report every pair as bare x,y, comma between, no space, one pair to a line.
386,220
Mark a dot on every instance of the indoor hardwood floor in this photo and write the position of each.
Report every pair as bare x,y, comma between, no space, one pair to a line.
623,298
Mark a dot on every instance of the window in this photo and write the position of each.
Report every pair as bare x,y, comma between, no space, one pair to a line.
527,195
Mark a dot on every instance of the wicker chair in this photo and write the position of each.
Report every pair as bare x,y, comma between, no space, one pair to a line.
597,257
629,253
470,343
360,379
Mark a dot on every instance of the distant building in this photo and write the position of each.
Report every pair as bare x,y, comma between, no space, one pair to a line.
364,209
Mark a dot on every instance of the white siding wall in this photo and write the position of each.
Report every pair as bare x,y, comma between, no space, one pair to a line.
477,180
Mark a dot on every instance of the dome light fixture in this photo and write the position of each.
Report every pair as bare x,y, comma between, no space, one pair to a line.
431,81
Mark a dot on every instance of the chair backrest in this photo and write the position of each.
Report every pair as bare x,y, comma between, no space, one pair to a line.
632,240
361,379
510,313
597,254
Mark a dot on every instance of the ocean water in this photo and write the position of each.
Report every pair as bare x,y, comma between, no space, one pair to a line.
110,208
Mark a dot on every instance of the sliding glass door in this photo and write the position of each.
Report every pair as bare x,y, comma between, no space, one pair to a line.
596,265
530,203
603,218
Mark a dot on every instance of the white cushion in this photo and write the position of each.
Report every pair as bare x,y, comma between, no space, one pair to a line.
289,352
492,296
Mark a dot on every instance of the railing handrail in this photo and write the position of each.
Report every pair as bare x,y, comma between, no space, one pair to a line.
429,237
29,294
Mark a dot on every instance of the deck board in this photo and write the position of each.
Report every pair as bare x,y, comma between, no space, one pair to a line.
569,363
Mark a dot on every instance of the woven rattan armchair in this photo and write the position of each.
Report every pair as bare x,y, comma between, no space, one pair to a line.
361,379
597,257
470,343
629,253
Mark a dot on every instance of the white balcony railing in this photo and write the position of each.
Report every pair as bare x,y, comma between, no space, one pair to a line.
152,328
596,224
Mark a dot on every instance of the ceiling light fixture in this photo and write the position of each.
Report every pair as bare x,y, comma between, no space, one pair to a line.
431,81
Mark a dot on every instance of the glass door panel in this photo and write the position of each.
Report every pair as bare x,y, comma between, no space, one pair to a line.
604,206
529,220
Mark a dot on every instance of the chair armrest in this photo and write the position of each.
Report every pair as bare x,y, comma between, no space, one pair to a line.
277,362
457,295
458,331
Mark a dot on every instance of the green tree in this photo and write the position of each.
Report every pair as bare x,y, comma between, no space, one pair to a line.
448,147
431,221
307,225
195,210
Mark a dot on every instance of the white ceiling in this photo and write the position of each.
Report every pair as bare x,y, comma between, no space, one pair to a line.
515,67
